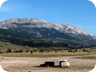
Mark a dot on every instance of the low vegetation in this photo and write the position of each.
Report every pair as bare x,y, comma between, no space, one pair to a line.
8,49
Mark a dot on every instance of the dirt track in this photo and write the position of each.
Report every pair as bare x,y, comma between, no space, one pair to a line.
30,64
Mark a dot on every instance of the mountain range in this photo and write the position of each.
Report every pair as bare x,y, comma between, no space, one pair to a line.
36,32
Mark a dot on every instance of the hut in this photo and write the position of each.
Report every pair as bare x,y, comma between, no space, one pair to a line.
56,63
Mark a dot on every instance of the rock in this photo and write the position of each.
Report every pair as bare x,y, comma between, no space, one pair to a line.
64,63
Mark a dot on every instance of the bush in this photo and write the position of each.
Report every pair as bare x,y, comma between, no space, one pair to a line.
31,52
8,51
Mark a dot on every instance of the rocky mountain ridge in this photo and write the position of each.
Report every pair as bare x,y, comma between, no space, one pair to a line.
30,29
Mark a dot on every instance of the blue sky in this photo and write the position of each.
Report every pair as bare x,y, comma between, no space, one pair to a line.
79,13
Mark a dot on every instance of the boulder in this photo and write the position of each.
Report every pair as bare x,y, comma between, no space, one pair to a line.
65,63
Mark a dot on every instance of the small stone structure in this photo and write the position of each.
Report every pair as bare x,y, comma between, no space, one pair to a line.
56,63
64,63
48,64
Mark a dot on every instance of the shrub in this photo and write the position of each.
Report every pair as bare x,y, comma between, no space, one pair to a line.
8,50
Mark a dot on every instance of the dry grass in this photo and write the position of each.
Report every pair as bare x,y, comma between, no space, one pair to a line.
48,54
27,62
4,46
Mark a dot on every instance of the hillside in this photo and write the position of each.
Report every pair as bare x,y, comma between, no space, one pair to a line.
40,33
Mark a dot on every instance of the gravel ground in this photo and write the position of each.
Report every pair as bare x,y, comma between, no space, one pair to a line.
31,64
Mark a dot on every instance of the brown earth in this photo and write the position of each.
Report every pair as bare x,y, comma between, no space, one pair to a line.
31,64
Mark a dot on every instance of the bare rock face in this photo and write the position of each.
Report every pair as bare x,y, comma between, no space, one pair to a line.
39,23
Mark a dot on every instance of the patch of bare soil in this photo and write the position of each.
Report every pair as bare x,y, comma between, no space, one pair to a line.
30,64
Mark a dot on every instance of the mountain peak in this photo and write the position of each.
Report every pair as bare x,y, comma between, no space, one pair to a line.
24,20
39,23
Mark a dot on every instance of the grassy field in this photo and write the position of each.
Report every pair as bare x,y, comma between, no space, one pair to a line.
8,49
15,58
51,53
